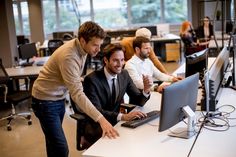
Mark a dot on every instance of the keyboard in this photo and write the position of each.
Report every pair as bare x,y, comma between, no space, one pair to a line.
137,122
40,63
27,64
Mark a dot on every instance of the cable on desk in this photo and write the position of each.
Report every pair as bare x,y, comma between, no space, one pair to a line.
197,136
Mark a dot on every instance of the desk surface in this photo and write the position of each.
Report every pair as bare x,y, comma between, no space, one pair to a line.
145,140
166,37
142,141
27,71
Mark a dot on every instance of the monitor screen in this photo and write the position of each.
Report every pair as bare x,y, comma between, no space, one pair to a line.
27,51
163,29
20,39
175,98
152,29
213,80
196,62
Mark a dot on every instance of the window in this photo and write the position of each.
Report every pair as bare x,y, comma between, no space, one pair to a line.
59,16
145,11
49,15
67,15
21,16
83,9
175,11
110,14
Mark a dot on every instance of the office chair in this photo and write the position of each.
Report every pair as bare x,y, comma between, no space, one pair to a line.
53,44
11,97
80,118
67,36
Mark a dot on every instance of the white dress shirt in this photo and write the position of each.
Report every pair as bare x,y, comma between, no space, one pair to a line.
137,67
109,78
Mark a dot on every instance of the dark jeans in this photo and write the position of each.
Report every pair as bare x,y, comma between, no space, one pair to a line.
50,115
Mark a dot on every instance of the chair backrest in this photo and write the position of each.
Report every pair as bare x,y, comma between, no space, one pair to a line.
67,36
3,74
53,44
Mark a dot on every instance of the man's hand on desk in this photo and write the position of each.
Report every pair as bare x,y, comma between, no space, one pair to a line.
133,115
107,128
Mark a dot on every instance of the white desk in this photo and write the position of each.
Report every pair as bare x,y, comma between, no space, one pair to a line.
141,141
24,71
218,144
145,140
28,70
166,37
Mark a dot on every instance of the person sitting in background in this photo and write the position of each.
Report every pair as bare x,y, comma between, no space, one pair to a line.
127,43
98,88
205,31
140,65
190,40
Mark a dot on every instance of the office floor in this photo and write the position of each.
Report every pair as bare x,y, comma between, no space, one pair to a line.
28,141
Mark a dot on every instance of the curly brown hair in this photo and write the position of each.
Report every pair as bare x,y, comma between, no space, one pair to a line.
90,29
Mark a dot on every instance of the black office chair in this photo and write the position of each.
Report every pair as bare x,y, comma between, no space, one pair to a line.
67,37
53,44
12,97
80,118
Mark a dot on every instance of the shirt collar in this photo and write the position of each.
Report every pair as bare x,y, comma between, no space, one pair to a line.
79,47
137,59
108,75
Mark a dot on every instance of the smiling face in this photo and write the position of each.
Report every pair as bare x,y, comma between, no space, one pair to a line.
92,47
115,63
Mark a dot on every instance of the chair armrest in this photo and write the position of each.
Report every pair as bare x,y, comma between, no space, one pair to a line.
5,91
126,108
78,117
26,82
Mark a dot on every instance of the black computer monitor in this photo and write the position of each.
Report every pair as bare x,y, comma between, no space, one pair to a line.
20,39
27,51
213,80
196,62
153,29
179,101
233,38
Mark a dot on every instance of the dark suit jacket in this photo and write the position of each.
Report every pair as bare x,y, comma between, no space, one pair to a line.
200,32
97,90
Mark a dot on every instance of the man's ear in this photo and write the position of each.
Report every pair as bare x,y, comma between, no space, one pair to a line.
82,41
137,49
105,60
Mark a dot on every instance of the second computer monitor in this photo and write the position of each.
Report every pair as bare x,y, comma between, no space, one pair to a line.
27,51
196,62
179,101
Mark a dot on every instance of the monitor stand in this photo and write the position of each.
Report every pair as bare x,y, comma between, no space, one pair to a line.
184,132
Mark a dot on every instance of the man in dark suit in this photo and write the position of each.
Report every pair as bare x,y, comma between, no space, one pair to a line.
98,88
